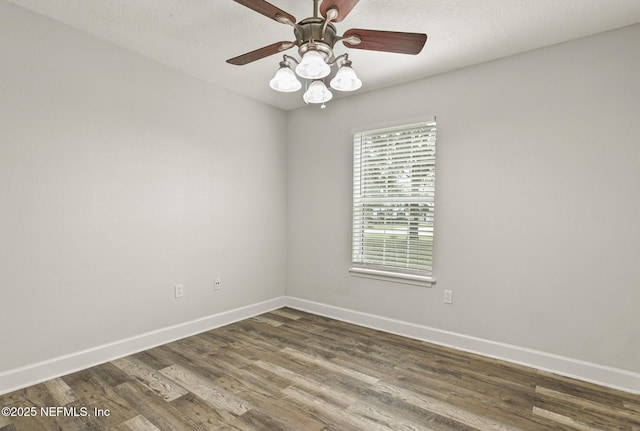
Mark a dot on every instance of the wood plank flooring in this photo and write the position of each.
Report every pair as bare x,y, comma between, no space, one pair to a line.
293,371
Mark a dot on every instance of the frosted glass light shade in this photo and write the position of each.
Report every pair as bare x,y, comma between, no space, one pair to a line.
317,93
285,80
313,66
346,80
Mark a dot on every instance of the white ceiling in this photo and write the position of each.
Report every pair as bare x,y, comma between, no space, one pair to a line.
197,36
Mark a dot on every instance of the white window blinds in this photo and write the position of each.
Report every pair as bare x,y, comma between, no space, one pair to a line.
393,200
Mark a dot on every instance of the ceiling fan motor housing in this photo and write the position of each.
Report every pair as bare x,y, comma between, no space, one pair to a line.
309,35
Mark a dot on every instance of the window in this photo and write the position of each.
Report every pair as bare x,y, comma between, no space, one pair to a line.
393,202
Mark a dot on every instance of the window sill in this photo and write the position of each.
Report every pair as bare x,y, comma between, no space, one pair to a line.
376,274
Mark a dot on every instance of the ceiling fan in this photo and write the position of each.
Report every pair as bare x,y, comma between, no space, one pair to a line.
315,38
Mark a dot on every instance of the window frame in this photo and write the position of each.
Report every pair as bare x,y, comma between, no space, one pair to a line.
359,266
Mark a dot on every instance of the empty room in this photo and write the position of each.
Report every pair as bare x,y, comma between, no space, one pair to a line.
323,215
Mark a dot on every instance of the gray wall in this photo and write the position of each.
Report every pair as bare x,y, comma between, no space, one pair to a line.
537,201
120,178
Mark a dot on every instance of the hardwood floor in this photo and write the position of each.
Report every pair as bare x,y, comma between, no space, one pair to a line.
290,370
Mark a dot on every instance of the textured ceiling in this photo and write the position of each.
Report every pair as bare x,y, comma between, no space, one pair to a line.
197,36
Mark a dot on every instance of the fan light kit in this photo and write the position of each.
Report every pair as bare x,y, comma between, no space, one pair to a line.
315,38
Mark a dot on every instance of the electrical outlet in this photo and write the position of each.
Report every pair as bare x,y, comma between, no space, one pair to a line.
448,297
217,284
179,290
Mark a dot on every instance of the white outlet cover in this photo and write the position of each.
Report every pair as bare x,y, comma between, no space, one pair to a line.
448,297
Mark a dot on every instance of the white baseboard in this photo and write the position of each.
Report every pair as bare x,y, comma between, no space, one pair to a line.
627,381
28,375
32,374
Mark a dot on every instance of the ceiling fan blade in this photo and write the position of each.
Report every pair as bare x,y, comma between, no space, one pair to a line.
388,41
343,7
266,9
259,53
